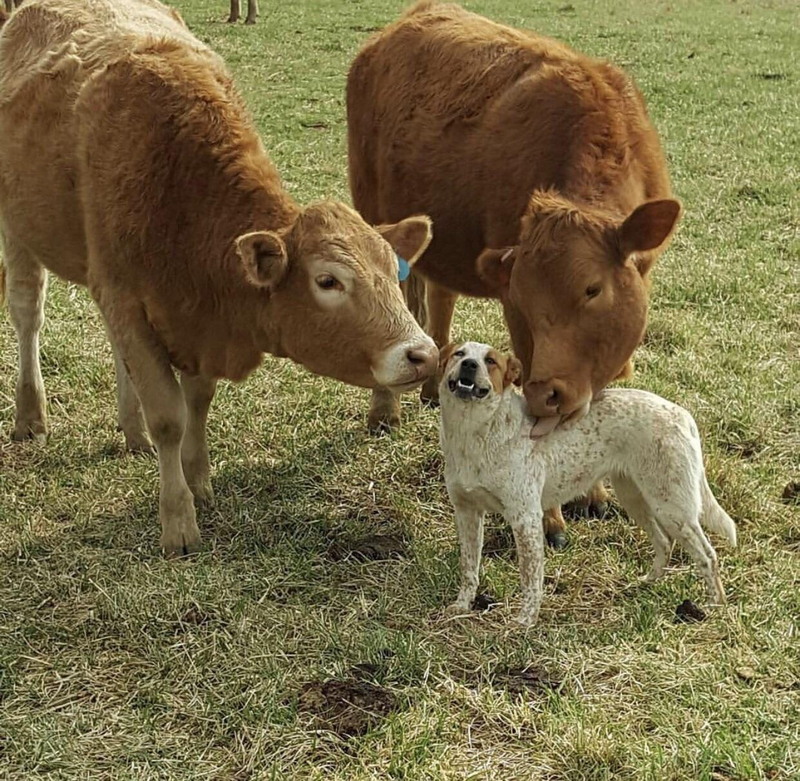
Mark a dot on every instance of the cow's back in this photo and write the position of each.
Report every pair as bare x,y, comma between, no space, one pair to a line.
49,51
462,118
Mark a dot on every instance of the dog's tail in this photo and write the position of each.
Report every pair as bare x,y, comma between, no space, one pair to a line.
714,518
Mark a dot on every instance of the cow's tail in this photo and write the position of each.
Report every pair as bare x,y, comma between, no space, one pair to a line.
2,283
714,518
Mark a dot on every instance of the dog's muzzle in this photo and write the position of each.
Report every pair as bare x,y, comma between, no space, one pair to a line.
463,386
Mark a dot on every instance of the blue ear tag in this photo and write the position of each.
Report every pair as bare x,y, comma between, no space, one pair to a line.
403,269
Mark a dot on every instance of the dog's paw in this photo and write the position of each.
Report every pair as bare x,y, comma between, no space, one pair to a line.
526,618
456,610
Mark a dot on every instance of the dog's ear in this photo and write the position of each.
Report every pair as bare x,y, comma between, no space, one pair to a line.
513,371
445,353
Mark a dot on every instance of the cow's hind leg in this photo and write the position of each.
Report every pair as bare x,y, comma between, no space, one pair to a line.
26,288
236,11
441,304
252,12
129,410
198,392
165,413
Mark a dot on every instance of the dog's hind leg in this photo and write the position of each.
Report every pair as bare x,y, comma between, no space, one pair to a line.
469,524
635,505
683,525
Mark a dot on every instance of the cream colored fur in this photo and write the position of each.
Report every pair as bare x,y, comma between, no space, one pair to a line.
647,446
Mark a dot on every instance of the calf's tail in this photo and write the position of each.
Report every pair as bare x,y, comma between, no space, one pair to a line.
714,518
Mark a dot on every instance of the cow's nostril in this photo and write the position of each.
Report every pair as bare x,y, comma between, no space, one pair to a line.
553,398
417,357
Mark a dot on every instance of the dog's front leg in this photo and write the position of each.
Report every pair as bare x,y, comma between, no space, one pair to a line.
469,523
529,538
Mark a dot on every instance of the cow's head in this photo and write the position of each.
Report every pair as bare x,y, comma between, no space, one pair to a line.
574,293
335,299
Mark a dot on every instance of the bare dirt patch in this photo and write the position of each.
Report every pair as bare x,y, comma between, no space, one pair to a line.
348,707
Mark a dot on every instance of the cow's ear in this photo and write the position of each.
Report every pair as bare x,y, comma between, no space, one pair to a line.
445,354
513,371
494,267
409,238
264,258
648,226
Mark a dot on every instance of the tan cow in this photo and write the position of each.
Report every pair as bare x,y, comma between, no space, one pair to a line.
130,164
545,181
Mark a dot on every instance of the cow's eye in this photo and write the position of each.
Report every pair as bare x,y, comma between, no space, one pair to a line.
490,361
328,282
593,291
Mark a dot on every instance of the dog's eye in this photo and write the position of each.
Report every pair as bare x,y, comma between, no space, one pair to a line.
459,354
490,361
328,282
593,291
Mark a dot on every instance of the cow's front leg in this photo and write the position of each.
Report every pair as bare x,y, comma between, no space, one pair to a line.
198,392
469,525
384,411
252,11
164,411
441,304
555,528
129,410
527,528
236,11
26,288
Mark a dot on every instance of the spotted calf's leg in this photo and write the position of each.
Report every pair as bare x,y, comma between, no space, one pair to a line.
469,525
26,290
198,393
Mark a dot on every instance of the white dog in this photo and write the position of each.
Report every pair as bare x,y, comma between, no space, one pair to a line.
647,446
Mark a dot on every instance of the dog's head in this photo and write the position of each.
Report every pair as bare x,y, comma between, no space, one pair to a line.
474,372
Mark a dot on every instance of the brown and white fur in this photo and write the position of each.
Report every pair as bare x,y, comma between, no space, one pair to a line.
647,446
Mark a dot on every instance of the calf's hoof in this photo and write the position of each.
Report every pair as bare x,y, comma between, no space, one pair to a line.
585,510
429,395
557,540
181,542
379,424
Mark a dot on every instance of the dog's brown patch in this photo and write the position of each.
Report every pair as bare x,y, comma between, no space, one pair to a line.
445,354
503,370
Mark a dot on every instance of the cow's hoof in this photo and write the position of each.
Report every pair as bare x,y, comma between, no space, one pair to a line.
140,447
430,403
380,425
179,544
30,431
249,21
582,510
203,493
557,540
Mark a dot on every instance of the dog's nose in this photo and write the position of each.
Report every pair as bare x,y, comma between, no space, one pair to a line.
469,364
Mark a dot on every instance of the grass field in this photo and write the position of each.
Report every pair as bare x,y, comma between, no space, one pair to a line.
117,664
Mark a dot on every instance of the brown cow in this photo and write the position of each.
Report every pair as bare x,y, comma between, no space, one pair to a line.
130,164
545,181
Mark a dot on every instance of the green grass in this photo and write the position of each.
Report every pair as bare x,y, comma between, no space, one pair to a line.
117,664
